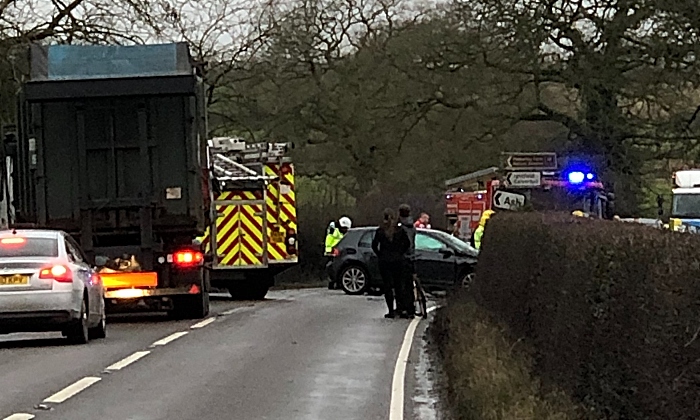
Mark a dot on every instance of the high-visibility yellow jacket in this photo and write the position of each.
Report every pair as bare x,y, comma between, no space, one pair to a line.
479,232
332,240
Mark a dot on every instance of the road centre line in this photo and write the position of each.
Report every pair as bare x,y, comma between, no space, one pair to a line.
20,416
168,339
128,360
204,323
398,383
72,390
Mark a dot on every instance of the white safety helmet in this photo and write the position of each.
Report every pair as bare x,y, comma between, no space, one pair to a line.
345,222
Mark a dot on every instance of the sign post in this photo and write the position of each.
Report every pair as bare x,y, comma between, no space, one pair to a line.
530,161
507,200
523,179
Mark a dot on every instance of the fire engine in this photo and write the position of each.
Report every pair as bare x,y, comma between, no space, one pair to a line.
252,234
497,188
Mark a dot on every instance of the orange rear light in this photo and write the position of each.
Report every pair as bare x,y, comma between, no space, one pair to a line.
59,273
188,258
129,280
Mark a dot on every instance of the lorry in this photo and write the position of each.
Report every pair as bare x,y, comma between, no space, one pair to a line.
253,233
111,148
685,206
538,183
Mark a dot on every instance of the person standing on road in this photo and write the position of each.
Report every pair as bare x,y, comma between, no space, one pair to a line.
334,235
479,232
406,289
423,221
391,243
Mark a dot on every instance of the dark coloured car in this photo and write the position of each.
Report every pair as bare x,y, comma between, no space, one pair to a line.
442,261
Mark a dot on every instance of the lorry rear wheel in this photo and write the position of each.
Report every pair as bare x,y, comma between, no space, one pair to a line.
191,307
248,291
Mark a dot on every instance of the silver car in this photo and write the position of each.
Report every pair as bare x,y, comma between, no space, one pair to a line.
46,284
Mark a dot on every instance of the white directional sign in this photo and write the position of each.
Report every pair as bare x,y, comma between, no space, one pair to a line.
508,201
524,179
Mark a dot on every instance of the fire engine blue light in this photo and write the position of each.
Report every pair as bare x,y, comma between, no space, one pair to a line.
576,177
590,176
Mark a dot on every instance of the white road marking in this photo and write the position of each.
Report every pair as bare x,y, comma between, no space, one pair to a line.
127,360
168,339
72,390
20,416
230,311
204,323
398,382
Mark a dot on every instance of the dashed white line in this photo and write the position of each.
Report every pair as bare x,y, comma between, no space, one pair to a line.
168,339
72,390
204,323
128,360
20,416
230,311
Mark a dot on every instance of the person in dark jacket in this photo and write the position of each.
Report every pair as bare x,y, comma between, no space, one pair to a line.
391,243
406,289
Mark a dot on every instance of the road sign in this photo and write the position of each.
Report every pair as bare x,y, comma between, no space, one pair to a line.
508,201
531,161
524,179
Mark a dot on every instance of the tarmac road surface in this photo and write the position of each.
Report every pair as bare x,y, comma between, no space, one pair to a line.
300,354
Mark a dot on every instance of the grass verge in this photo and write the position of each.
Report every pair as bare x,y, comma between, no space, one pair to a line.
488,375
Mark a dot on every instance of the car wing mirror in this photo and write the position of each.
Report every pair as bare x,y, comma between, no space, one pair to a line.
446,253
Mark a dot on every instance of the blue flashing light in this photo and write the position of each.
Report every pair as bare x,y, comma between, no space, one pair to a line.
590,176
576,177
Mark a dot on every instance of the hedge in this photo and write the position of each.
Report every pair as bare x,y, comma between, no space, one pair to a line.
611,310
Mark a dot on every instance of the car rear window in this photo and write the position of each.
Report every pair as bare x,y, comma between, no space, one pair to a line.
17,246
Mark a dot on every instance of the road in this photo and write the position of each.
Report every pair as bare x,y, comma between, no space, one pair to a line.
302,354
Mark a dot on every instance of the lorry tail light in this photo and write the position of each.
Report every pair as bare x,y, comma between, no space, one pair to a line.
291,242
188,258
60,273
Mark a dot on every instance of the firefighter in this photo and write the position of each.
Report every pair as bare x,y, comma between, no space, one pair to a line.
335,235
479,232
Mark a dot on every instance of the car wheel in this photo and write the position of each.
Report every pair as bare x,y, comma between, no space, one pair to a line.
78,333
467,280
353,280
100,330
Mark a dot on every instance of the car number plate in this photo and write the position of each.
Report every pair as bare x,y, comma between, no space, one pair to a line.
13,280
277,237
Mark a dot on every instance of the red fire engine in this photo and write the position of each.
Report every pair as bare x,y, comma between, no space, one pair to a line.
469,195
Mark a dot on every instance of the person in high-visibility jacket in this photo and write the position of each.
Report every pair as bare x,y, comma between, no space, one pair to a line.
479,232
335,235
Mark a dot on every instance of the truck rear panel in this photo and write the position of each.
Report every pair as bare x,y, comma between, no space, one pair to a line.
112,150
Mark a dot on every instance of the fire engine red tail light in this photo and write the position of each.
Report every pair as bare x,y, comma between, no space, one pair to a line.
188,258
60,273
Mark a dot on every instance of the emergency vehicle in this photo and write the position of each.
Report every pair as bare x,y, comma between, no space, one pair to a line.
252,235
685,208
574,188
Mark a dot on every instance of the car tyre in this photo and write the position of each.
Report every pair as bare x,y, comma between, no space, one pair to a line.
100,330
78,333
354,280
466,280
